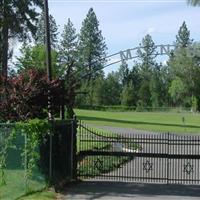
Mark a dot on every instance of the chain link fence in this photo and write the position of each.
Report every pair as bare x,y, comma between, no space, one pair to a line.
19,172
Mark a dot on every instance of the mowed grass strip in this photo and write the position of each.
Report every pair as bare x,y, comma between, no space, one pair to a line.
44,195
152,121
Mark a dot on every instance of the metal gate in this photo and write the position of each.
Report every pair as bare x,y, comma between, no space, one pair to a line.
154,158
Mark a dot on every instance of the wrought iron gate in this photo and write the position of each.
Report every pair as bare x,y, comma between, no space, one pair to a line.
154,158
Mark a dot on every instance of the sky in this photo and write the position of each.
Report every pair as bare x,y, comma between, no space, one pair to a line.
124,23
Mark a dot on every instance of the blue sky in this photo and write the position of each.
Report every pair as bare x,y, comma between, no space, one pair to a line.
125,23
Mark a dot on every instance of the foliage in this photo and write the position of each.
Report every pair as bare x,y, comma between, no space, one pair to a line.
147,56
124,74
68,61
17,19
34,132
147,63
79,59
99,93
183,38
26,96
92,47
7,135
118,108
194,2
112,89
158,86
68,47
128,95
33,57
177,91
19,156
185,67
40,33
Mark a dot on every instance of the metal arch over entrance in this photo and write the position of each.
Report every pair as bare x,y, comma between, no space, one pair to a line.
129,54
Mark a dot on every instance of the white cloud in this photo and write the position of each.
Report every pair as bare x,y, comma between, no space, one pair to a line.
150,30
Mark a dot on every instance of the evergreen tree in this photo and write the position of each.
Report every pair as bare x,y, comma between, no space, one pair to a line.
124,74
68,62
113,89
183,38
157,88
99,93
184,70
194,2
128,95
146,55
16,19
135,77
92,47
177,91
68,47
40,33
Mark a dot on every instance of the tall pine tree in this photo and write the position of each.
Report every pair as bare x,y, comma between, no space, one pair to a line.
16,19
92,47
40,33
68,47
146,54
68,63
183,38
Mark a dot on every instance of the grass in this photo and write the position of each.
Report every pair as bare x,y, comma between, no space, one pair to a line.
152,121
92,166
14,175
82,139
44,195
16,186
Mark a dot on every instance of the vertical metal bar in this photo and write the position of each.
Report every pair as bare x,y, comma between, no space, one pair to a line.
87,145
72,148
168,158
192,153
139,159
198,161
135,159
154,159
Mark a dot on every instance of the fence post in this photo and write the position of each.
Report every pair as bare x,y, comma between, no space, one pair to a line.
167,158
74,149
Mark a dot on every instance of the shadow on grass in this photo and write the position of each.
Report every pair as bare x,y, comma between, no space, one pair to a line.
133,122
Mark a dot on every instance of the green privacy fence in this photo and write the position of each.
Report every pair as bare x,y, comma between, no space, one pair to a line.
19,161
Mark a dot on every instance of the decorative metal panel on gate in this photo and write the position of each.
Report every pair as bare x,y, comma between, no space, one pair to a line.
154,158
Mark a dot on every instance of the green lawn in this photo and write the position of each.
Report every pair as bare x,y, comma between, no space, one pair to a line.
153,121
15,184
44,195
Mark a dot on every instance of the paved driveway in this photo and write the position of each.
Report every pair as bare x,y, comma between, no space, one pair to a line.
127,191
